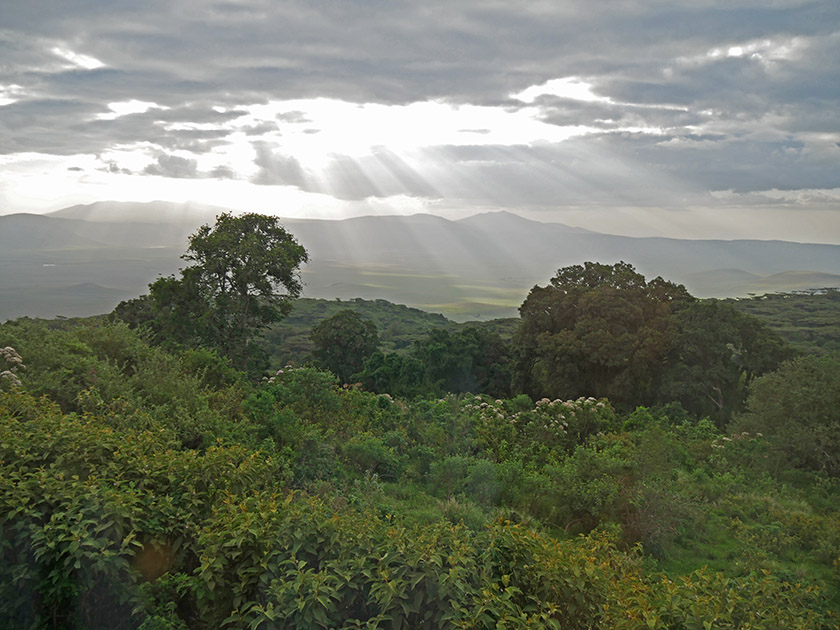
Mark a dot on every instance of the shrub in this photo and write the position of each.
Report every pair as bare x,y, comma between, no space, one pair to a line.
367,453
797,408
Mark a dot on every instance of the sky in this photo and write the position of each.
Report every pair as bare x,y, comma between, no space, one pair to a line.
692,119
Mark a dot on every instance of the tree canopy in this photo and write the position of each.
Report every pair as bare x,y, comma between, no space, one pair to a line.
243,277
343,342
798,408
716,352
596,329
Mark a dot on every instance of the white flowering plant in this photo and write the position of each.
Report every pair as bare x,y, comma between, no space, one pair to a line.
548,426
12,363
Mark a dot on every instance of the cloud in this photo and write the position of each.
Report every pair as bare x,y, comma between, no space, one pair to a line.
276,169
173,166
223,172
676,100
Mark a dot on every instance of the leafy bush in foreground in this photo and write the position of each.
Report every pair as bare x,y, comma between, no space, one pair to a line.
308,505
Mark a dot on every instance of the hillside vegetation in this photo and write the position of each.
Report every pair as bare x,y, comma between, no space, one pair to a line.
145,488
630,457
808,320
398,326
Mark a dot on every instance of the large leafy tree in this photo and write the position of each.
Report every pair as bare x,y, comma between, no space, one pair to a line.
391,373
243,276
715,354
596,330
343,342
469,360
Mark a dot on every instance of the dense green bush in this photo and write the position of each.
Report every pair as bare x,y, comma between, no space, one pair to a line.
797,408
142,488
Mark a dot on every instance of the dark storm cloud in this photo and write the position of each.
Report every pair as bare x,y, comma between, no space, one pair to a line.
740,122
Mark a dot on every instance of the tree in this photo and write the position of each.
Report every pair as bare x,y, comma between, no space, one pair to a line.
469,360
243,277
715,354
343,342
595,330
797,409
392,373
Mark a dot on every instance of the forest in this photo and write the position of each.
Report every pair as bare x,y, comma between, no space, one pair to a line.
623,455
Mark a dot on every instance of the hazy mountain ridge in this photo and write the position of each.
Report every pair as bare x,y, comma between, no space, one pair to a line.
480,266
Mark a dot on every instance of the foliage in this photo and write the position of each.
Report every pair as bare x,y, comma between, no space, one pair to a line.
230,292
87,512
111,369
599,330
469,360
715,354
797,408
343,342
149,488
808,320
393,373
399,326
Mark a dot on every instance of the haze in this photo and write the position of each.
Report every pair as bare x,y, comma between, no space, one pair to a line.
700,119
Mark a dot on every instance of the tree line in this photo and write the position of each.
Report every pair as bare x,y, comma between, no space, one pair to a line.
594,330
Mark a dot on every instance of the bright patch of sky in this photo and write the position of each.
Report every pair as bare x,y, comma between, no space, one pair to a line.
568,87
126,108
77,59
315,130
10,94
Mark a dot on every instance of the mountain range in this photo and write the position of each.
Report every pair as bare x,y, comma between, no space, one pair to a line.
84,259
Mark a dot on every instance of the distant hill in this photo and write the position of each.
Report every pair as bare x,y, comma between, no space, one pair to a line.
32,232
137,212
481,267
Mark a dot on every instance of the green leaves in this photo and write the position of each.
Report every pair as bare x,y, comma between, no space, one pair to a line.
243,276
343,342
595,330
108,518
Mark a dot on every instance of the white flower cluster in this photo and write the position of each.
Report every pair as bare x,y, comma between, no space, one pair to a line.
553,416
14,362
486,410
558,413
273,378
